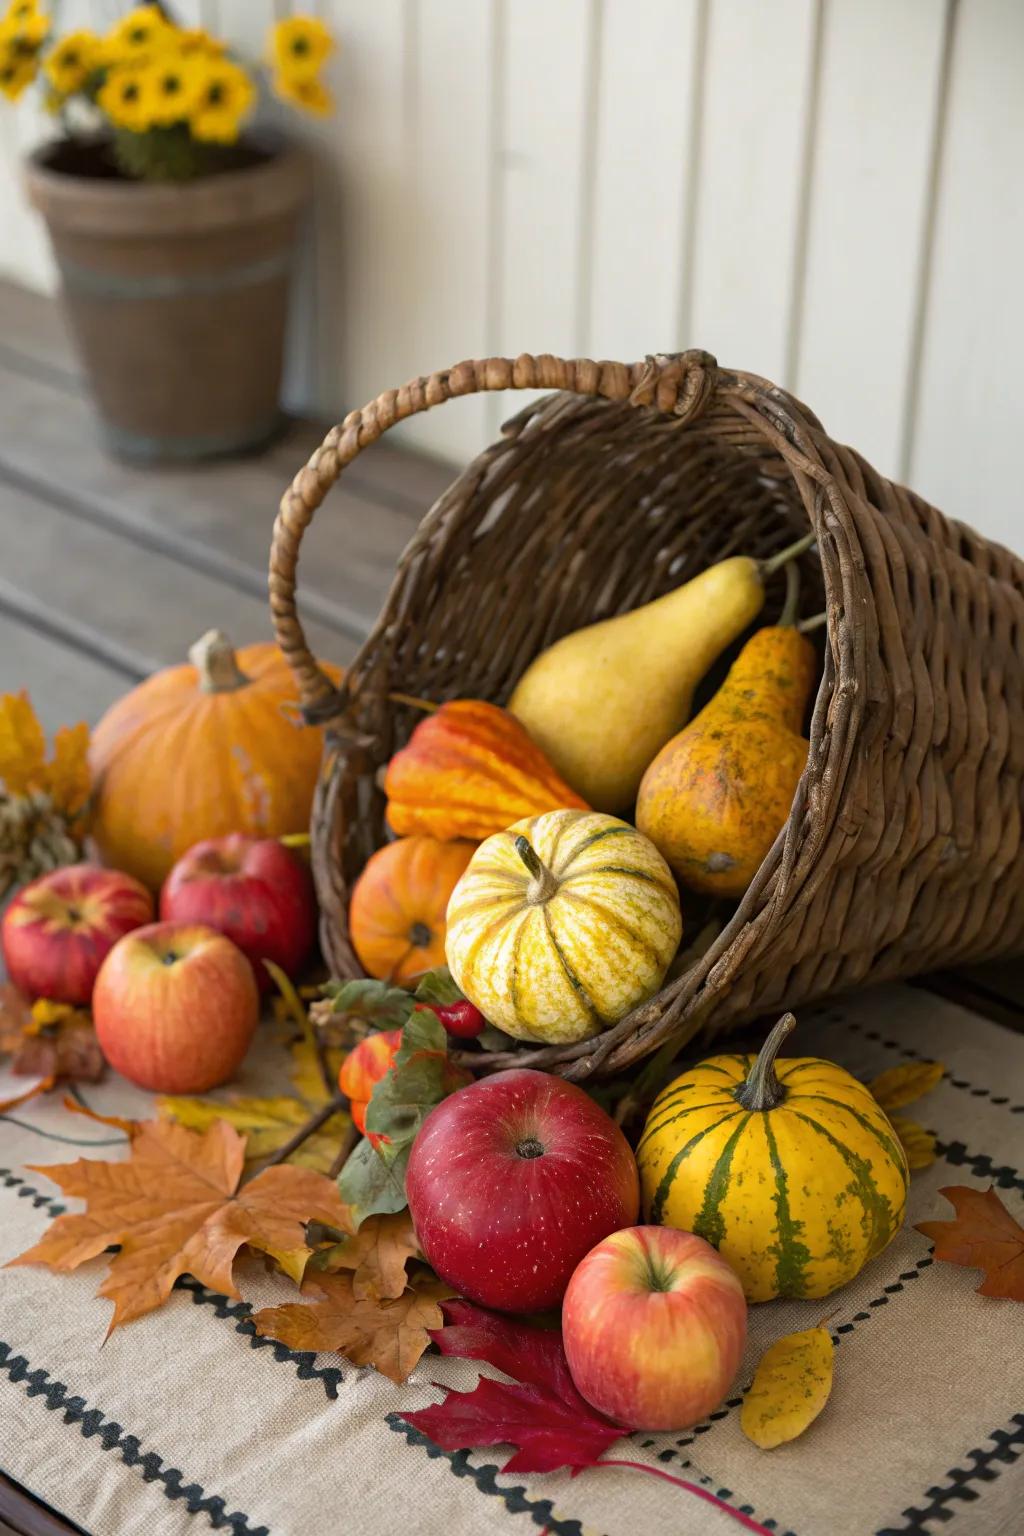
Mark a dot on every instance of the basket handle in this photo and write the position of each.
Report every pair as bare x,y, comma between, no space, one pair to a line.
677,383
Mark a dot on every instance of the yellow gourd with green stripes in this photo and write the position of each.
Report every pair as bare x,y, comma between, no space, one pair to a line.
789,1168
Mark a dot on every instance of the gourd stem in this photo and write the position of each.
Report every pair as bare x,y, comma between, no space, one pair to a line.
787,618
806,626
762,1089
768,567
213,657
543,885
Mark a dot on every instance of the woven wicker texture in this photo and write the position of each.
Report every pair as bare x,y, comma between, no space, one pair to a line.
903,850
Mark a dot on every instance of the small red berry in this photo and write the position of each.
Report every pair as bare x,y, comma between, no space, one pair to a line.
462,1020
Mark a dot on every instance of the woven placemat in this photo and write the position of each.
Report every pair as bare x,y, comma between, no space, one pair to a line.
185,1421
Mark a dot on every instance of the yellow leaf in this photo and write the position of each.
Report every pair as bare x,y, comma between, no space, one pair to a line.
790,1388
266,1124
46,1013
917,1143
22,744
307,1079
902,1085
67,775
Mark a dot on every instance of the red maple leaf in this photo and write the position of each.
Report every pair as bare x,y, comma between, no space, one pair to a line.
541,1412
983,1236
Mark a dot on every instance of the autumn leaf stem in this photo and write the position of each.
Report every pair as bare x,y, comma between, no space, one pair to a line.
680,1482
348,1146
337,1102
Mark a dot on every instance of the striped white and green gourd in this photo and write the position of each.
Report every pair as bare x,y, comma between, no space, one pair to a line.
790,1168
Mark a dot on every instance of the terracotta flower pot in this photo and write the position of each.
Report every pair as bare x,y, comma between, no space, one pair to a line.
177,295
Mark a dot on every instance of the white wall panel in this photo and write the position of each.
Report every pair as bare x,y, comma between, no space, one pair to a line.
757,94
970,410
648,105
878,107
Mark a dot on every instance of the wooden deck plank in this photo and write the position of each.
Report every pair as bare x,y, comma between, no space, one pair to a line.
217,517
34,339
149,605
65,685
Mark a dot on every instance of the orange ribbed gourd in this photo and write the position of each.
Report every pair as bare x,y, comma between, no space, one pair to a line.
199,750
469,770
397,914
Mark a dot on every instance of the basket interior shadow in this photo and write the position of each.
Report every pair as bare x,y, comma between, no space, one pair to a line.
903,847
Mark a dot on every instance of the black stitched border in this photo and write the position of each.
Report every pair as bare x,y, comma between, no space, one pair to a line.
1006,1447
12,1180
541,1511
91,1421
957,1155
909,1054
239,1312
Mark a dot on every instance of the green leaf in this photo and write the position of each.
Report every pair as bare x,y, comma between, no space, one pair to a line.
379,1003
438,987
372,1187
423,1032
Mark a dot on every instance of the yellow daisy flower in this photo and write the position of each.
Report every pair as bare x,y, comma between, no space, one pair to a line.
140,32
70,63
307,92
20,12
190,40
24,23
171,86
15,74
298,46
123,98
224,97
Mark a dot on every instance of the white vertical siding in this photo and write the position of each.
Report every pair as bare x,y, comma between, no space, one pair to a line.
824,191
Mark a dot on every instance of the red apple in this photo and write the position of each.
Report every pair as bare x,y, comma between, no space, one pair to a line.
654,1323
175,1006
252,889
511,1181
58,930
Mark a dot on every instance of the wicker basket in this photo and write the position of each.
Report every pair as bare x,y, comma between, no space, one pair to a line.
903,850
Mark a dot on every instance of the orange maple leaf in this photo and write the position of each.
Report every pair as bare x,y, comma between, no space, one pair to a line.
389,1334
175,1208
983,1236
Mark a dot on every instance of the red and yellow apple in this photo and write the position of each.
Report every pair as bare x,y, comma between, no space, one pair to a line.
175,1006
511,1181
254,890
59,929
654,1323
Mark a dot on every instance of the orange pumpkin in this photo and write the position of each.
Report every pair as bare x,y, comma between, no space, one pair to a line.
363,1068
470,770
199,750
397,915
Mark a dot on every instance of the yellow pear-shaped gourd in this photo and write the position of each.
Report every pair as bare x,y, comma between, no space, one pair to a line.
713,800
561,925
602,701
789,1168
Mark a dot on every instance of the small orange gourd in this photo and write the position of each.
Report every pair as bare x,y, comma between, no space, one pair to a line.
200,750
397,914
469,770
715,797
363,1068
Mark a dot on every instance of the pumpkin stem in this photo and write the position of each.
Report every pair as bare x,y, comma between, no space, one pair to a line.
816,621
762,1089
213,657
543,885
